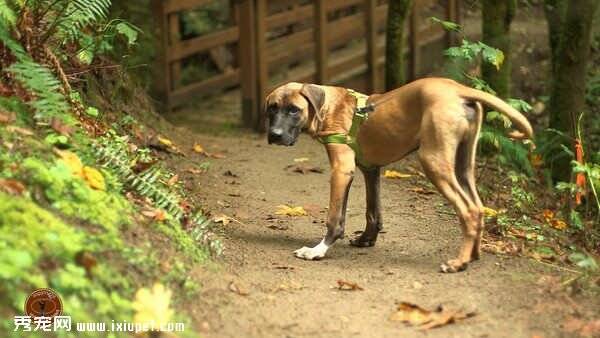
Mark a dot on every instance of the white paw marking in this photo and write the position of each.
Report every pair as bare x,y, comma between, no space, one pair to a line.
312,253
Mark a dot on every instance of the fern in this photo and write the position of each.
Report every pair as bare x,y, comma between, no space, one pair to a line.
79,14
7,14
509,153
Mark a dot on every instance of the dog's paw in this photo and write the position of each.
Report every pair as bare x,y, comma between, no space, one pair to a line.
311,254
453,265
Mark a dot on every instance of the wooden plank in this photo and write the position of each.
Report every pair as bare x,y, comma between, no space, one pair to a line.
262,62
333,5
192,46
215,83
172,6
321,49
162,84
247,61
371,37
285,18
415,47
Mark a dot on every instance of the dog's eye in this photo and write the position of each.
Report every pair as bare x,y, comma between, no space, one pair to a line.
293,110
271,109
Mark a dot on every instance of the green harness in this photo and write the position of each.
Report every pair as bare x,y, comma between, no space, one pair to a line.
361,114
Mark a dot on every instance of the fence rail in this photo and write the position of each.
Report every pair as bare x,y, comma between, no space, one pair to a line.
275,41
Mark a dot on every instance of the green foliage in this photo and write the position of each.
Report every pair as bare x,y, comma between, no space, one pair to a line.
470,51
447,25
7,14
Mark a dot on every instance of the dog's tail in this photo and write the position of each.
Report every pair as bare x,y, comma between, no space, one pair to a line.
519,120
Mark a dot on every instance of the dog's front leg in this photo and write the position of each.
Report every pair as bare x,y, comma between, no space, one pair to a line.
341,158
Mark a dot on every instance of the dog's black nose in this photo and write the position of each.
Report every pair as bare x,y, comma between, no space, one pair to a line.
275,135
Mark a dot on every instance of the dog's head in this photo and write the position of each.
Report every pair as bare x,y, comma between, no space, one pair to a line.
291,108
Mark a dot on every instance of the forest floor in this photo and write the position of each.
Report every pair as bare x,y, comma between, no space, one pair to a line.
259,289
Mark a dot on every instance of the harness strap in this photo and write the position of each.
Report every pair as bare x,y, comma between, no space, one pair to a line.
361,114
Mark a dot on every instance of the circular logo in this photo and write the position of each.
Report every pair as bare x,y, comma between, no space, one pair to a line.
43,303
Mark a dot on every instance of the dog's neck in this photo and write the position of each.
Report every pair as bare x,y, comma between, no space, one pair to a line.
335,117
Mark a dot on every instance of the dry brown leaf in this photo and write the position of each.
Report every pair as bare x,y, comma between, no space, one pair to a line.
303,169
233,287
60,127
290,211
395,174
420,190
216,155
224,219
19,130
157,214
11,186
415,315
173,180
6,117
558,224
348,286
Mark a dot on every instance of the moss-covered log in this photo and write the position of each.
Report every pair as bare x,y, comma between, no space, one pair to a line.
496,19
395,65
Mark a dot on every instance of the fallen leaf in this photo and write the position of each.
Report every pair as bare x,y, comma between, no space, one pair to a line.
173,180
415,315
19,130
6,117
558,224
157,214
229,173
395,174
198,149
165,141
489,212
60,127
86,260
420,190
194,171
233,287
303,169
153,305
301,159
278,226
224,219
348,286
216,155
290,211
591,329
11,186
94,178
72,161
536,161
548,215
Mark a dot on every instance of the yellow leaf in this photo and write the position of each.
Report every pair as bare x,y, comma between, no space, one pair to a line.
153,305
489,212
548,215
198,149
395,174
72,161
165,141
499,60
94,178
301,159
290,211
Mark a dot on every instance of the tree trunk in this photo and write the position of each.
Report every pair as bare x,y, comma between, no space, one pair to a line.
567,97
555,11
496,19
395,65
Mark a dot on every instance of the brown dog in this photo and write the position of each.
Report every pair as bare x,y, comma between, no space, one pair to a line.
437,116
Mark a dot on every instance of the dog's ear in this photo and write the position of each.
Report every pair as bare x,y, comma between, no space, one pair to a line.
315,95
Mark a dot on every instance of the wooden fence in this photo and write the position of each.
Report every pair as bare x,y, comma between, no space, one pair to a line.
276,41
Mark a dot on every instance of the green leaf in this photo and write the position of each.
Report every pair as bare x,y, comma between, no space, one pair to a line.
447,25
92,111
128,31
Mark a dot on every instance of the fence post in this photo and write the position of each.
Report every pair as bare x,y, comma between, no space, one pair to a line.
261,62
321,48
162,83
247,62
452,14
370,22
174,30
415,48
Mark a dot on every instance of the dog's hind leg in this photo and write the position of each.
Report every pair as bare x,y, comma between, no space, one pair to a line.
465,169
438,156
373,215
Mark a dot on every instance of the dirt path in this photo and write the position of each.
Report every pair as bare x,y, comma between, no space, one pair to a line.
289,297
